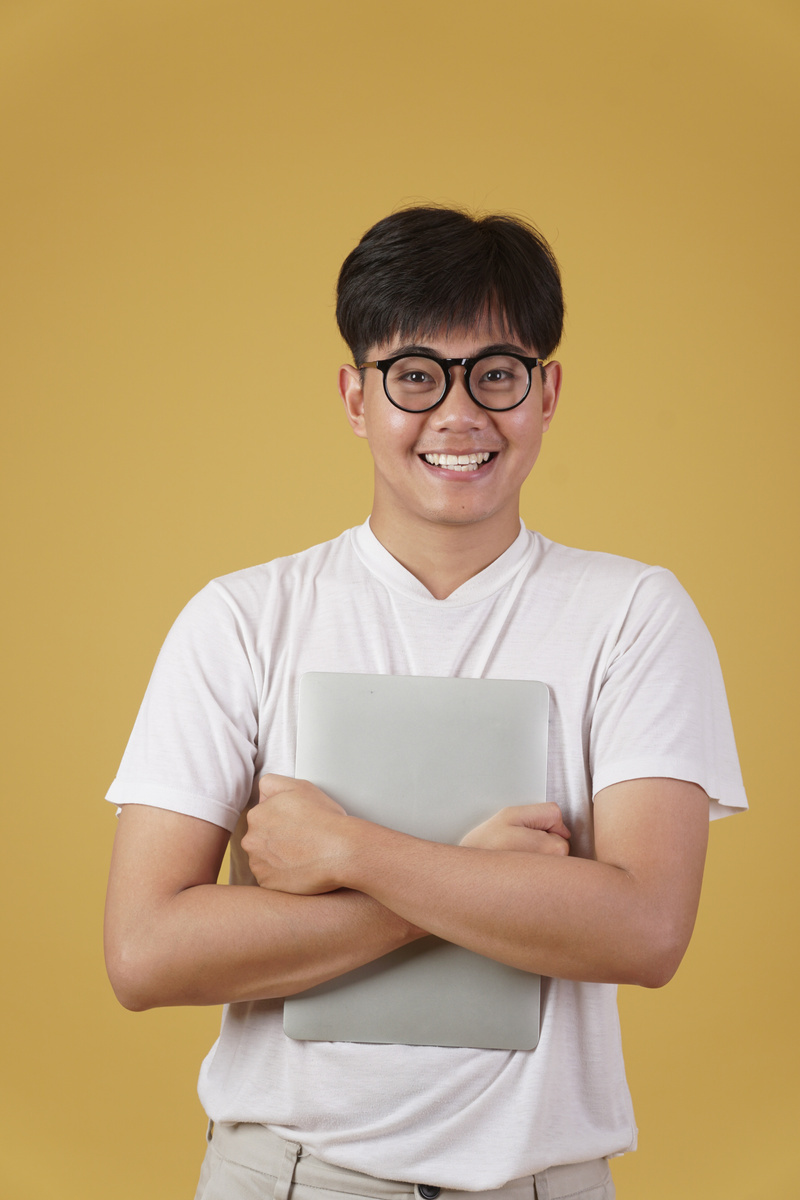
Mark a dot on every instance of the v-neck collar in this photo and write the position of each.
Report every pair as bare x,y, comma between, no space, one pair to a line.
491,579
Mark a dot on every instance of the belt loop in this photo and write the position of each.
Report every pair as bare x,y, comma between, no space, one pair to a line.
286,1174
541,1186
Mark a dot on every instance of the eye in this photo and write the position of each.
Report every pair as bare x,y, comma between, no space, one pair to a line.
498,370
499,381
416,376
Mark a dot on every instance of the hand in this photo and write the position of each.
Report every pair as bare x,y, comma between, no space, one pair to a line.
296,837
535,828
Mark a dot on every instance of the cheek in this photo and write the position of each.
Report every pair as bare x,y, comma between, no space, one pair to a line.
526,434
390,429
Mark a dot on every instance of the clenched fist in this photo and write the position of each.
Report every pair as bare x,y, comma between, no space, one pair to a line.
536,828
297,837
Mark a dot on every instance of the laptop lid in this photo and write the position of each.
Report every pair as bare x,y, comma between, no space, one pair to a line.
433,757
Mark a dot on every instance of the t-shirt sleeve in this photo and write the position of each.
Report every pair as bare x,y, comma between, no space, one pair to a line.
662,710
193,747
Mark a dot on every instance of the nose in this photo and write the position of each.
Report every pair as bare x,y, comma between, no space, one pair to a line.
458,410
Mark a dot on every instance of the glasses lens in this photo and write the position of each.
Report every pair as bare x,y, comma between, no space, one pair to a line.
415,383
499,381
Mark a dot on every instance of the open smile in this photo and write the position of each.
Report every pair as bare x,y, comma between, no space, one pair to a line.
460,462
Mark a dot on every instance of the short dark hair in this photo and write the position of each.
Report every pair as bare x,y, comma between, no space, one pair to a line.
424,269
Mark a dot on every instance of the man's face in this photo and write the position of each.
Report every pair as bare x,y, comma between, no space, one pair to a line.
412,487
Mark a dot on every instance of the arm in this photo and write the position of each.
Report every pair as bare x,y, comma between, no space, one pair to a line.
174,936
625,918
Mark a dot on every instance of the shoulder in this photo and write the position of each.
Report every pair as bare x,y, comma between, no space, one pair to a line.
248,589
312,560
599,573
232,609
610,596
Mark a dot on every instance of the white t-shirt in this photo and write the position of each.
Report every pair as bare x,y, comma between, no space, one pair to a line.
636,691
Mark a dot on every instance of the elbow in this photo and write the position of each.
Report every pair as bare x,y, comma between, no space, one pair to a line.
661,955
131,977
129,993
657,973
131,1000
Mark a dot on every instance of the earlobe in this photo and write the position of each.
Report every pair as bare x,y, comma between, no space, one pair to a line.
351,389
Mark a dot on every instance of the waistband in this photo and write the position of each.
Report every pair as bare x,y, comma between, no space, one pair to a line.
258,1148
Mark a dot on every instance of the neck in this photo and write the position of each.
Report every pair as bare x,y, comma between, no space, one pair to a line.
442,557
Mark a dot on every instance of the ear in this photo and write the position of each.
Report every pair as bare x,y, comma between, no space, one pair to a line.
551,389
351,389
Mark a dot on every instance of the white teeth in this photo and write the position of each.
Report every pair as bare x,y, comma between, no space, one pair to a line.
458,462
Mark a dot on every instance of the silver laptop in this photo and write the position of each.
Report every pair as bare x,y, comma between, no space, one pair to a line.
434,758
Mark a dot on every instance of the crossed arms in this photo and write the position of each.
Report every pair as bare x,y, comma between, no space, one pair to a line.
336,892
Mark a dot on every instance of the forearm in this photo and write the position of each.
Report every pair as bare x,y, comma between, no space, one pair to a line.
217,944
624,917
175,936
567,917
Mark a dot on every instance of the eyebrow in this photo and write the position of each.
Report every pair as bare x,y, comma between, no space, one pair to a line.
494,348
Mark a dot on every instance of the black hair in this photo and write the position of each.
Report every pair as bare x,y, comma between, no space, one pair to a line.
422,270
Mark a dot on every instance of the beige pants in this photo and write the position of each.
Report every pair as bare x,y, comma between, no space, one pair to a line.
247,1162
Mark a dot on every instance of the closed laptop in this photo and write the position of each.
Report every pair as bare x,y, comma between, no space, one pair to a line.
432,757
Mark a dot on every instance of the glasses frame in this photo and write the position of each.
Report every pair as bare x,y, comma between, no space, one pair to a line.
385,364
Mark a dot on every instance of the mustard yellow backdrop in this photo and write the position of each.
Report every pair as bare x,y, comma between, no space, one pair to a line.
180,182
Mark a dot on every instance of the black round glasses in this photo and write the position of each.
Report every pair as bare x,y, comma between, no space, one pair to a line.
420,382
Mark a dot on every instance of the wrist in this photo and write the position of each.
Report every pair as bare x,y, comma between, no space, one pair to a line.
366,852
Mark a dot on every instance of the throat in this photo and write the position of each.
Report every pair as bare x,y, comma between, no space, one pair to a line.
443,557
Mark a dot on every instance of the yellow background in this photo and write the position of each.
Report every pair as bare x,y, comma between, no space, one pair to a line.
181,180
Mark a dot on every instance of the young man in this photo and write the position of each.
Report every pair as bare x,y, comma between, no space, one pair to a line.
451,321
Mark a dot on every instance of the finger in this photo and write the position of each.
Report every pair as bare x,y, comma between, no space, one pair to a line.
554,821
555,844
298,792
272,785
538,841
546,817
517,837
535,841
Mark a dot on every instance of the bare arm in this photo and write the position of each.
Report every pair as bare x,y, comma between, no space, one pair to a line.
174,936
625,918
